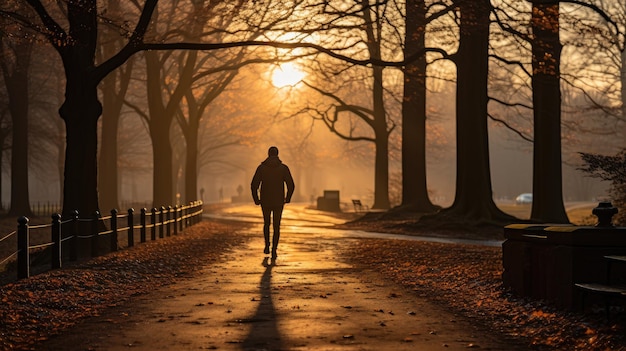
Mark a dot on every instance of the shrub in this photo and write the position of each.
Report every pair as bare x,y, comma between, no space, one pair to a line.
612,169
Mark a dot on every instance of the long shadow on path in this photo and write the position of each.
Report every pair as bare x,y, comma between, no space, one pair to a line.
264,333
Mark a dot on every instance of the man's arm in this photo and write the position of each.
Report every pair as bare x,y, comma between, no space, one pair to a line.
254,186
290,185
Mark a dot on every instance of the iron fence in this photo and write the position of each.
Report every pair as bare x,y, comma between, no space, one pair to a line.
65,235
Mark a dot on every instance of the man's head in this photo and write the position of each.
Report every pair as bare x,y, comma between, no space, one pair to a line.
273,151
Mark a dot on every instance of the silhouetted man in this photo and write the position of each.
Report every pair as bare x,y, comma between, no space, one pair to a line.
272,176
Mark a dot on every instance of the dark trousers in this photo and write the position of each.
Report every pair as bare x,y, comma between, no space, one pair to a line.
272,215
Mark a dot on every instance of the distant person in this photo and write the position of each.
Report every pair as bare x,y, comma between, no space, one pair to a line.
272,176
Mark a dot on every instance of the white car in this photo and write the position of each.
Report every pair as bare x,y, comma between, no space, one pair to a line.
526,198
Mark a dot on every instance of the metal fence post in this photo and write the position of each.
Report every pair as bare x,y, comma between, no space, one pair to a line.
74,240
181,225
199,216
187,207
169,225
192,209
23,253
113,238
142,222
176,220
153,222
56,239
94,233
161,221
193,214
131,228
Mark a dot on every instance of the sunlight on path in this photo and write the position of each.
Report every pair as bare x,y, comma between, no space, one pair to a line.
297,218
308,299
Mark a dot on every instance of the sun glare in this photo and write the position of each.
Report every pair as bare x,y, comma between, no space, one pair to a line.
287,74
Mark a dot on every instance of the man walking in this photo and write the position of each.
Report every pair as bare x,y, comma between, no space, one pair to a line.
272,176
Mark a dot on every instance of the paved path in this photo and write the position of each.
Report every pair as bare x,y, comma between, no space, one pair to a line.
308,299
300,218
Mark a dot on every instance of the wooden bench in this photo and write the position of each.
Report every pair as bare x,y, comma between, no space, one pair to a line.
358,206
607,290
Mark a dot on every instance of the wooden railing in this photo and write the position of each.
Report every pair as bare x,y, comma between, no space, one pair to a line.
65,234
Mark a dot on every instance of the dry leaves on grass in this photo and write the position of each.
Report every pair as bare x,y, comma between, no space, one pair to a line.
33,309
467,279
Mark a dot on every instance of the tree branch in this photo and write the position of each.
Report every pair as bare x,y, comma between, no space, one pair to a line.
511,128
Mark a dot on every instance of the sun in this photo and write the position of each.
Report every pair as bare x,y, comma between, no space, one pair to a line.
287,74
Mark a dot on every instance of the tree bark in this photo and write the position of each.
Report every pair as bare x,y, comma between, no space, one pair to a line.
81,112
414,185
191,161
379,123
623,94
114,88
17,90
381,165
108,170
546,59
159,124
474,197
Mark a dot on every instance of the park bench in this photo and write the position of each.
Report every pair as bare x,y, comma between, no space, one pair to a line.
358,206
607,290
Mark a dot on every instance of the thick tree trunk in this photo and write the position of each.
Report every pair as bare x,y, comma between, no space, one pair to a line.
474,198
381,172
108,170
191,162
81,112
547,174
162,180
414,187
17,89
623,96
113,89
159,123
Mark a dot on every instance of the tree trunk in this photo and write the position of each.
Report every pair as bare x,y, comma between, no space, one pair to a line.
81,112
191,162
113,89
159,123
108,171
474,198
381,166
191,174
547,174
414,187
162,178
623,91
17,89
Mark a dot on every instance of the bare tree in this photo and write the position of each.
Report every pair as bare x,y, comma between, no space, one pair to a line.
5,138
113,90
546,60
15,60
75,39
414,186
474,196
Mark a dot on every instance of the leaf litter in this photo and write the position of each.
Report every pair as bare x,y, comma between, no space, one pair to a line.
467,279
34,309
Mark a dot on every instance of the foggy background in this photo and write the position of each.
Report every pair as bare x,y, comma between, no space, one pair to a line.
253,114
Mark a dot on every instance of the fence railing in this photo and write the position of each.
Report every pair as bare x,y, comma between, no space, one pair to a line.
65,234
44,208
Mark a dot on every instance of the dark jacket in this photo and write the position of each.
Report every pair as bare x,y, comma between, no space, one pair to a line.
271,176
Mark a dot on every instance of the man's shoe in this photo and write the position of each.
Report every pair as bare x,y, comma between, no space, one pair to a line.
267,250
